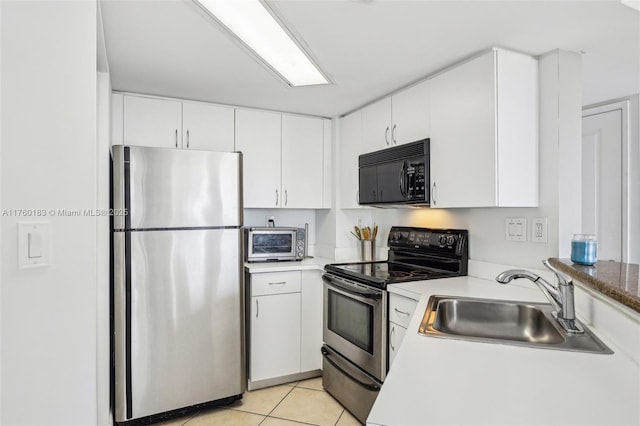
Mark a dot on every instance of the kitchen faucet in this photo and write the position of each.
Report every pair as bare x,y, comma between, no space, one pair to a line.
560,296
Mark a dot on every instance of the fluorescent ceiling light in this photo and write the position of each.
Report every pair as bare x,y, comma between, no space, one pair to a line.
252,23
634,4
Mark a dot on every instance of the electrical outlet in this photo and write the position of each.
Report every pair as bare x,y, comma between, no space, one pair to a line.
539,230
269,221
516,229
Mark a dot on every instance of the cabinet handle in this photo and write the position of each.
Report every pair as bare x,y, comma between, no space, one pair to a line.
277,197
278,283
257,308
393,135
176,138
401,312
433,194
393,329
358,197
187,139
286,197
386,135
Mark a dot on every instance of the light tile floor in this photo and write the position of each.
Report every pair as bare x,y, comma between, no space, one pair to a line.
298,403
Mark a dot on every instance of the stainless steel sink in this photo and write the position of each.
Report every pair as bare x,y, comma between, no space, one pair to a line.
506,322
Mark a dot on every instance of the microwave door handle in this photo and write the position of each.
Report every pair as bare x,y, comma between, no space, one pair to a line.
403,191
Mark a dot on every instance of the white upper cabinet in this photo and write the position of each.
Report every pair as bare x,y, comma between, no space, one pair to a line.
302,161
168,123
283,159
410,111
349,148
152,122
376,125
258,137
397,119
484,133
207,127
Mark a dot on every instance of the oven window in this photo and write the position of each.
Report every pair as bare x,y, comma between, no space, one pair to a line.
272,243
352,320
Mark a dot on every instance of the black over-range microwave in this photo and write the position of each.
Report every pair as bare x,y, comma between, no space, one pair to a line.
395,176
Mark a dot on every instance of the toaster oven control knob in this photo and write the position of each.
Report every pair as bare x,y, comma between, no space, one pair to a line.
450,240
442,240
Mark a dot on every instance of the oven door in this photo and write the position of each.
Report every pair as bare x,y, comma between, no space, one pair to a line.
355,323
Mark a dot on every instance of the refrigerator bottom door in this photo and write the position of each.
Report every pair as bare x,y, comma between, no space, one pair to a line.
178,320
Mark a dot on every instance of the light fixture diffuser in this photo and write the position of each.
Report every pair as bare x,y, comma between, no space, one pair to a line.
634,4
258,30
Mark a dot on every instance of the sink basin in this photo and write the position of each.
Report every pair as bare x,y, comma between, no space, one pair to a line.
495,320
501,321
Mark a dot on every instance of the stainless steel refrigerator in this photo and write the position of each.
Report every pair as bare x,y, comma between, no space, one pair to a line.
177,279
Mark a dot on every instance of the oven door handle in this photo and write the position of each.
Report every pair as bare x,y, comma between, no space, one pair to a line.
353,375
351,288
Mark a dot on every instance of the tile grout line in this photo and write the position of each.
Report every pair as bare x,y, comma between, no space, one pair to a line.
339,417
283,398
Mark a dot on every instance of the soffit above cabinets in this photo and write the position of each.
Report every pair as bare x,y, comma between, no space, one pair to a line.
368,48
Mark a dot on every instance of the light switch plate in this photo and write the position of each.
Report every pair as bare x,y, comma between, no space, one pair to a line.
539,230
33,244
516,229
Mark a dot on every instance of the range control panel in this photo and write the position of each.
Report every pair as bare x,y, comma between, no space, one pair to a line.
451,241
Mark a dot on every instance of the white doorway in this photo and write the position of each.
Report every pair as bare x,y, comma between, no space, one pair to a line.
605,140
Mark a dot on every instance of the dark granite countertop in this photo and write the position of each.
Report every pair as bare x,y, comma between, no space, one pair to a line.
614,279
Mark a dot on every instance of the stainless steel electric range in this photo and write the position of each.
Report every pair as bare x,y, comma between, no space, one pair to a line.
355,308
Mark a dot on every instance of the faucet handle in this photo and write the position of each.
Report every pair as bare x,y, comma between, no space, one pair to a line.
563,279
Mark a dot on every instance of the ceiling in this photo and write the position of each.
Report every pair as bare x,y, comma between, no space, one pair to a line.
368,47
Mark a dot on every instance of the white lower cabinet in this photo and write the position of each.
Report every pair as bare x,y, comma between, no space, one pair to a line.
396,335
401,310
275,336
311,340
285,326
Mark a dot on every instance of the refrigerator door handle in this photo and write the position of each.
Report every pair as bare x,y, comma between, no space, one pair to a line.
257,308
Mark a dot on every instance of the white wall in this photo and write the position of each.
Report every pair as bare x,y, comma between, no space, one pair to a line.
560,135
48,143
103,237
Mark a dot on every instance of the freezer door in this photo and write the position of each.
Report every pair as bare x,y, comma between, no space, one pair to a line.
172,188
178,320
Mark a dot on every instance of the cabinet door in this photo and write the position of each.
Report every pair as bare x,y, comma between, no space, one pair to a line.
463,139
327,174
310,356
350,147
258,138
275,336
376,125
410,111
207,127
302,161
396,335
152,122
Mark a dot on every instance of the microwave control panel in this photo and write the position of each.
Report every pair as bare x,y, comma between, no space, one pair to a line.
416,181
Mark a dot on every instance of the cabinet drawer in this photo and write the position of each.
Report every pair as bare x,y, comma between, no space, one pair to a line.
263,284
401,309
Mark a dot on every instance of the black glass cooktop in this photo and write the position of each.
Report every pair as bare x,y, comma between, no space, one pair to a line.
382,273
414,254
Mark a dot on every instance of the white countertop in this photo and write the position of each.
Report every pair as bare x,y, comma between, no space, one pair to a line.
437,381
316,263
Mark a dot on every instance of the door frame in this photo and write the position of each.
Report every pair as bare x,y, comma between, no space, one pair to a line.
624,106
